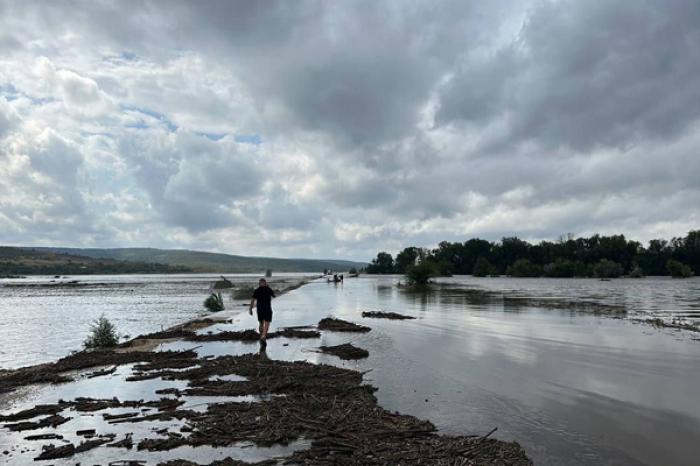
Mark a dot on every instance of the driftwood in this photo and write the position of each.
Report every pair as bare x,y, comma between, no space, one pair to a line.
253,336
329,406
386,315
346,351
339,325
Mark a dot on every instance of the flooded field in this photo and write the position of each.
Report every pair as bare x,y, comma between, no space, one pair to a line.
45,318
561,366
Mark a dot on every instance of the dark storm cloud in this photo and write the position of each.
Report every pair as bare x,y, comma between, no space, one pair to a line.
587,75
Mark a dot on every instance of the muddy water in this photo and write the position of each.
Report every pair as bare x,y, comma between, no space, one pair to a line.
572,387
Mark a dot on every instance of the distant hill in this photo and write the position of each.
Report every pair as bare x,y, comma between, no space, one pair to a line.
27,261
208,261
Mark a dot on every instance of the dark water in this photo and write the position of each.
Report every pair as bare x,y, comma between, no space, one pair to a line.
554,364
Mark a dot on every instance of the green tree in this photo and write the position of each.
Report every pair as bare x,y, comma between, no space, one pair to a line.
383,263
406,258
678,269
564,268
607,269
421,273
524,268
483,267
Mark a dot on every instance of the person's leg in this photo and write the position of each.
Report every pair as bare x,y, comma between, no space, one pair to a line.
261,328
266,327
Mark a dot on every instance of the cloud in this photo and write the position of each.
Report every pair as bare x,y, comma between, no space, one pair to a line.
373,125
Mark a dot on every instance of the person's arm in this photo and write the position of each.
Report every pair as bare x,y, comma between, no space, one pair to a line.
252,303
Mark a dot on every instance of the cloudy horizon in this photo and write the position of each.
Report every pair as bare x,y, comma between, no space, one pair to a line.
339,129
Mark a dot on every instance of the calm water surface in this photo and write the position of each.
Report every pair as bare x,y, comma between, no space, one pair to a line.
43,318
553,364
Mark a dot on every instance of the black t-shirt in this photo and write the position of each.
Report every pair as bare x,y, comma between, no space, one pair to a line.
264,295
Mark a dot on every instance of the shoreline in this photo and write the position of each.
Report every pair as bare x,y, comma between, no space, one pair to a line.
352,425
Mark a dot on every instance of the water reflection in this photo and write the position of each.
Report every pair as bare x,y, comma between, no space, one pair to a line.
542,360
569,382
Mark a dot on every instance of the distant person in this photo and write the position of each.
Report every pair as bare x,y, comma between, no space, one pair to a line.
263,294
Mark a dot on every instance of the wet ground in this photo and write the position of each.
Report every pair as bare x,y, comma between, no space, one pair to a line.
572,387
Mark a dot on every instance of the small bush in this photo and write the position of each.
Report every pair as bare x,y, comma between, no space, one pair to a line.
678,269
103,334
214,303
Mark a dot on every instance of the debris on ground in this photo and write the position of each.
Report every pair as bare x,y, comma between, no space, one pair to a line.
386,315
345,351
330,407
339,325
53,372
102,372
252,335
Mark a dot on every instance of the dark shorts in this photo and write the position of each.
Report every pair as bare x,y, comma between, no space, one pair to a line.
265,315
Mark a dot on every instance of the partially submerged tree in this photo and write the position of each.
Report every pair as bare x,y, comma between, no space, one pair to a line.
483,268
524,268
214,303
419,275
678,269
103,334
607,269
383,263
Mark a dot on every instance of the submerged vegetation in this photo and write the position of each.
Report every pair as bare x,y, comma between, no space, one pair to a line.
595,256
103,334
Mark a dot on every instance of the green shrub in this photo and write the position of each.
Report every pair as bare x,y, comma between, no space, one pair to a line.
482,267
678,269
421,273
607,269
561,268
103,334
524,268
214,303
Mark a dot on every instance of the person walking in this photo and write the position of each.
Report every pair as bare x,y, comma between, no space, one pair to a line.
263,294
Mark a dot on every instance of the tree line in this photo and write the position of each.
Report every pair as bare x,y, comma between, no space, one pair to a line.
595,256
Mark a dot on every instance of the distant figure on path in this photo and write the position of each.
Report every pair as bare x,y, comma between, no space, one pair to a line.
263,294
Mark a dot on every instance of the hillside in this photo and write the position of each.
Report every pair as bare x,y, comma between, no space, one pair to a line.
26,261
208,261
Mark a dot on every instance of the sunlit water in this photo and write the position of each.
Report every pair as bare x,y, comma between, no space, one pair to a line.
573,383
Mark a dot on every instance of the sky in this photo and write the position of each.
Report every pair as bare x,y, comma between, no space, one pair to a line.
339,129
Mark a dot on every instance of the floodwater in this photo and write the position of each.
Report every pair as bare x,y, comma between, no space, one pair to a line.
45,318
554,364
